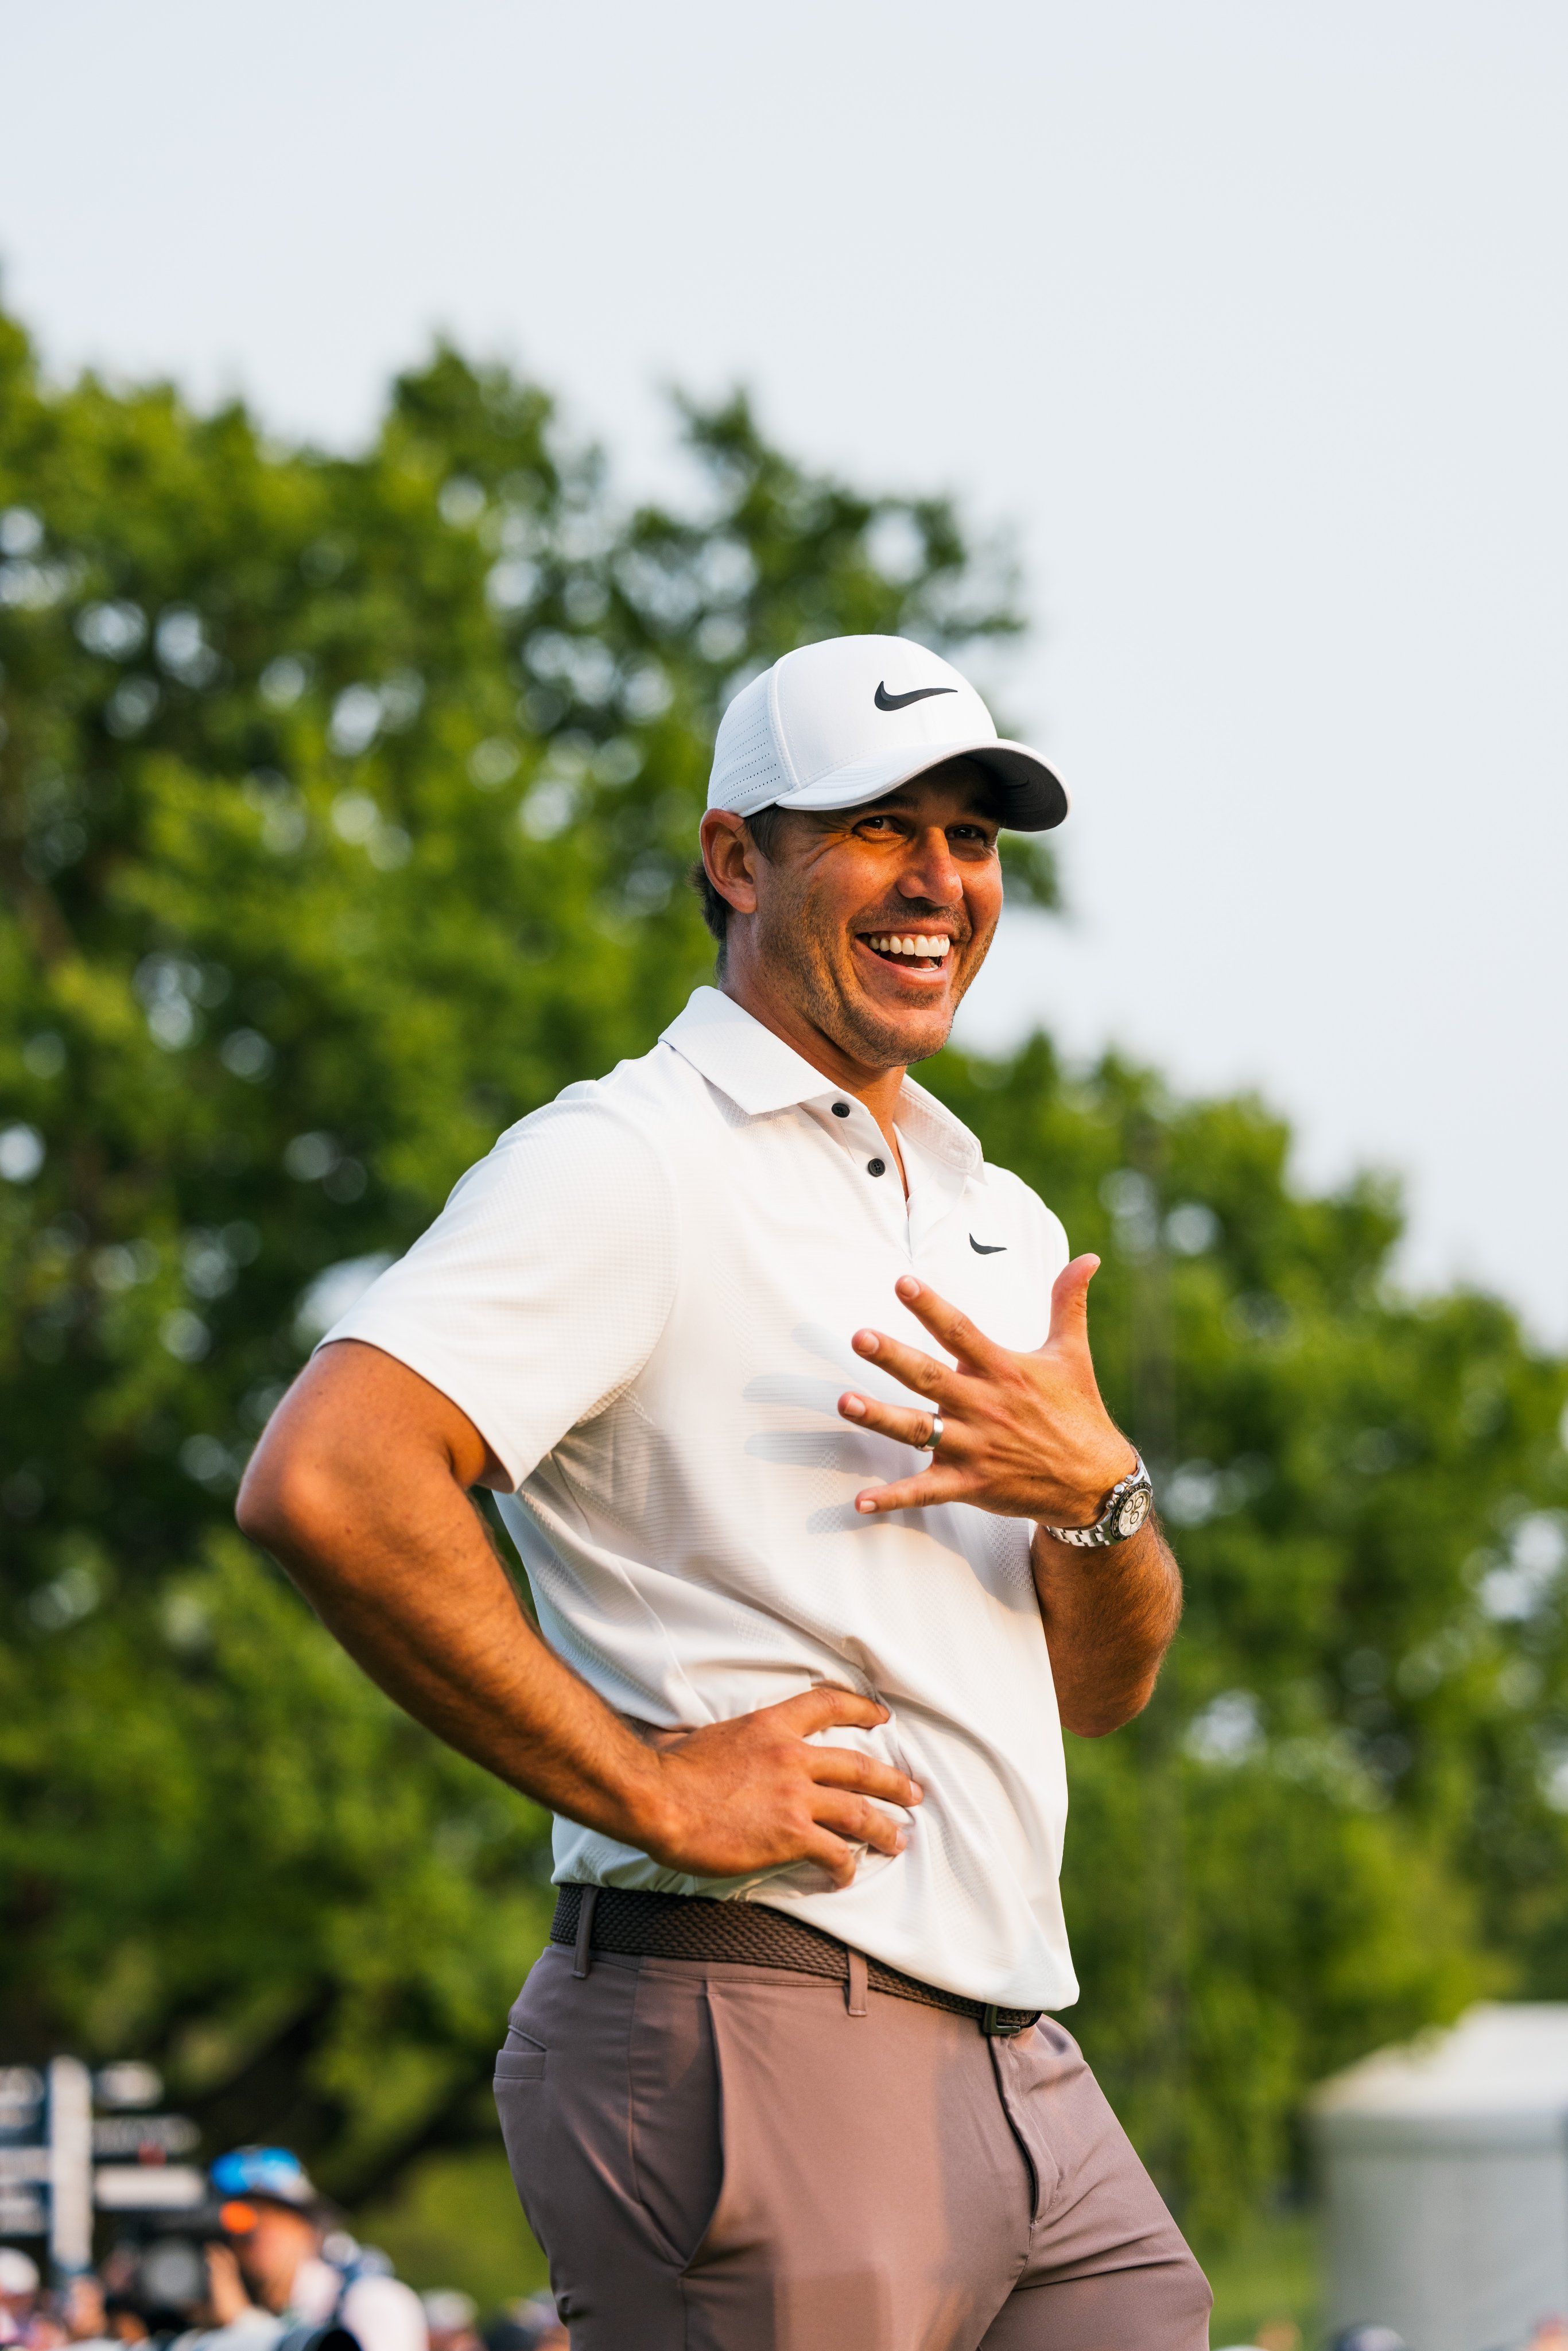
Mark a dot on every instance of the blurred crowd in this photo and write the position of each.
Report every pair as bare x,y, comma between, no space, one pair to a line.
266,2265
1549,2333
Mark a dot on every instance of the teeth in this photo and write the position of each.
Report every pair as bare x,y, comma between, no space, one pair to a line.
896,945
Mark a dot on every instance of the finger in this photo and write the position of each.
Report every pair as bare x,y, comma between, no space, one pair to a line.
922,1372
961,1337
1070,1304
910,1493
846,1767
907,1427
832,1855
852,1816
816,1709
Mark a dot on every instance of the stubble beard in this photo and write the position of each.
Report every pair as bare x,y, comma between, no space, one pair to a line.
809,955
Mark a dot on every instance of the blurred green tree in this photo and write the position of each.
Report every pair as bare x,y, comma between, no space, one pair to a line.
344,806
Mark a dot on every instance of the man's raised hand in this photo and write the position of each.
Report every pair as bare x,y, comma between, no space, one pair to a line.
1026,1436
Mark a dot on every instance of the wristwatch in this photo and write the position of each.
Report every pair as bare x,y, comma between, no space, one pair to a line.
1127,1505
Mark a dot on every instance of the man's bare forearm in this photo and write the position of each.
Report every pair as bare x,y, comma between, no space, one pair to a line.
494,1690
401,1570
1110,1616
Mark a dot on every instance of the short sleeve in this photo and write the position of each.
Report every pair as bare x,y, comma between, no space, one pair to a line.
540,1291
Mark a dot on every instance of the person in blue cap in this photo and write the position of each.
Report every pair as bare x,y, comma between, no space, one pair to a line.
276,2217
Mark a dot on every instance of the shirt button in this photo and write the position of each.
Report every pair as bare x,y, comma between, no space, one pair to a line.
876,1167
841,1110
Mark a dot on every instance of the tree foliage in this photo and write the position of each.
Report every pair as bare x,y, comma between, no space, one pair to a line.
344,807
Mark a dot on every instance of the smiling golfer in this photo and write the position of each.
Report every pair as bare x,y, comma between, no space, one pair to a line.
787,1401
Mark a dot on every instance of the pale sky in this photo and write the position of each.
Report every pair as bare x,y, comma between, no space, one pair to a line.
1249,320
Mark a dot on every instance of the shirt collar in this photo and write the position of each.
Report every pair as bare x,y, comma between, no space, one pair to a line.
761,1074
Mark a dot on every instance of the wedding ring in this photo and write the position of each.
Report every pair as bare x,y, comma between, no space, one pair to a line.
938,1431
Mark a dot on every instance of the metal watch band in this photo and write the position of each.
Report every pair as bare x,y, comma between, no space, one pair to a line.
1128,1507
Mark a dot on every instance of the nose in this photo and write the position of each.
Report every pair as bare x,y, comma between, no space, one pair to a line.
932,871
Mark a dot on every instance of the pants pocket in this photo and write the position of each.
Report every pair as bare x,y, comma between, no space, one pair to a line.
523,2102
520,2060
676,2135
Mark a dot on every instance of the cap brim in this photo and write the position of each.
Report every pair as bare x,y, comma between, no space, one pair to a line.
1033,798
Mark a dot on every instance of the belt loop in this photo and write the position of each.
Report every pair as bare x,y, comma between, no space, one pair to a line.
991,2021
855,1981
582,1957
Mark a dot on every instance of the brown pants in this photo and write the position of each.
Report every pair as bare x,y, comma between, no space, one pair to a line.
719,2158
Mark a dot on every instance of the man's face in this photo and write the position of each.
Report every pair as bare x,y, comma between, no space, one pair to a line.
846,893
272,2251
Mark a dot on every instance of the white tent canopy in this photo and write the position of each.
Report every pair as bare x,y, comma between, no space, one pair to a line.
1447,2170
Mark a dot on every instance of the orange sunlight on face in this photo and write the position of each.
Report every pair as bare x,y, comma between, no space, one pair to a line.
871,923
271,2252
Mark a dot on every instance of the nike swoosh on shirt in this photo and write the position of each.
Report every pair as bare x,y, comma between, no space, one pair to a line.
885,700
987,1249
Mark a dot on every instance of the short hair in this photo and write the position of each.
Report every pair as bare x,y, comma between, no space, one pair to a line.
762,827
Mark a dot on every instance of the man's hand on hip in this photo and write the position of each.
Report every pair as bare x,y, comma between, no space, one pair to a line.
753,1793
1024,1434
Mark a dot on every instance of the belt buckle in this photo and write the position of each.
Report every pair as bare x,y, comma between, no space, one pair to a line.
1017,2021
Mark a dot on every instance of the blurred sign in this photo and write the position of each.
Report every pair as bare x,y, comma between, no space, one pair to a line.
146,2187
53,2169
24,2156
70,2165
129,2084
148,2137
21,2090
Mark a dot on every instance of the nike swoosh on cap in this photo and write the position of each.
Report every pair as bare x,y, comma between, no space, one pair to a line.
987,1249
885,700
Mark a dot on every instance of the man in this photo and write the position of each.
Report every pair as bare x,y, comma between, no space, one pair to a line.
747,1340
19,2284
451,2317
275,2219
532,2324
225,2318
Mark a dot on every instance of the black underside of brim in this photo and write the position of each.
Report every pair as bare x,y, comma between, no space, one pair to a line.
1034,799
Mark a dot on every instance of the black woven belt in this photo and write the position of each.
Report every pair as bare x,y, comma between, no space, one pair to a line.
687,1926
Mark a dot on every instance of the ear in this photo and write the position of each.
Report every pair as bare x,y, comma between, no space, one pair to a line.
729,855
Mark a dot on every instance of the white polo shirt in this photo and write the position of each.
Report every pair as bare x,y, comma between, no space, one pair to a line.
644,1299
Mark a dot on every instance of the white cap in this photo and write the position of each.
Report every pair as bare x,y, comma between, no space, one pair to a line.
841,722
449,2308
18,2274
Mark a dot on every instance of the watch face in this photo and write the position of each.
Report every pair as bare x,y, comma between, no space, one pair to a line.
1132,1513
